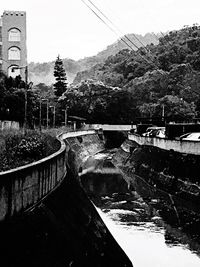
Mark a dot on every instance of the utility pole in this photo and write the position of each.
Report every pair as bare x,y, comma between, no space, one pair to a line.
25,93
163,112
40,115
54,115
26,89
66,117
65,110
47,113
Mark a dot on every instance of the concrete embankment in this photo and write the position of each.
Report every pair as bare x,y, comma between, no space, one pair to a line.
170,176
63,228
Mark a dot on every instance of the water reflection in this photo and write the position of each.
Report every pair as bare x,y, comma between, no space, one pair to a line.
146,242
146,237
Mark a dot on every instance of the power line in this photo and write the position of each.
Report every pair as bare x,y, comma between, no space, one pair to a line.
106,17
106,24
124,35
121,38
114,25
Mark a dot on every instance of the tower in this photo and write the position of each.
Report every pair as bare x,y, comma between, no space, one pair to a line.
13,54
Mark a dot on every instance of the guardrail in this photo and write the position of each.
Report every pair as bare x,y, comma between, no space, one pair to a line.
23,187
188,147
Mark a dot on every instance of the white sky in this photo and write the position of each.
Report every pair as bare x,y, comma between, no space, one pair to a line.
69,28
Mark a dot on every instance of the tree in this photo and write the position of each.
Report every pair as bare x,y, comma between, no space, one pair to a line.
176,108
148,109
60,75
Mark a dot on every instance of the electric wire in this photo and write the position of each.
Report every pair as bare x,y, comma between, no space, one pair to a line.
121,38
125,36
107,25
114,25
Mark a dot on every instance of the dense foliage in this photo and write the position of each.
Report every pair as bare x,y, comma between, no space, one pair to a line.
155,78
97,102
154,81
12,100
17,149
43,72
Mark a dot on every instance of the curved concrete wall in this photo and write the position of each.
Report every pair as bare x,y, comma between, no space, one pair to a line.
189,147
80,146
63,228
23,187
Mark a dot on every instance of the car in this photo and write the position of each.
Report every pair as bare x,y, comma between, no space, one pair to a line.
161,133
155,132
195,136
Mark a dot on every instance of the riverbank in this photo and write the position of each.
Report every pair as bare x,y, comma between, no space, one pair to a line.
169,177
51,215
141,225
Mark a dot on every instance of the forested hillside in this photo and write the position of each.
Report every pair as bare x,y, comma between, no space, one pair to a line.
43,72
166,74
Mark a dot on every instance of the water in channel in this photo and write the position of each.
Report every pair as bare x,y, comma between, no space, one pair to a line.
147,238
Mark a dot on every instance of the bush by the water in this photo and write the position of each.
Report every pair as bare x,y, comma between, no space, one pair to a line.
17,149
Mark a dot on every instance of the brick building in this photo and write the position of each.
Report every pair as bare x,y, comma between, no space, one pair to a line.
13,51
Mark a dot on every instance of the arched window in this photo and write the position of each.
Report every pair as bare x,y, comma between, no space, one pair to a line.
14,53
14,35
13,71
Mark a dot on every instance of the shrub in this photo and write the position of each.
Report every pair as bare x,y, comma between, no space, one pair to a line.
17,149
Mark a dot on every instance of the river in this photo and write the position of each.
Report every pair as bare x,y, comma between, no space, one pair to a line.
147,238
146,244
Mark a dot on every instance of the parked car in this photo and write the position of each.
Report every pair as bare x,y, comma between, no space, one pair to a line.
155,132
190,136
161,133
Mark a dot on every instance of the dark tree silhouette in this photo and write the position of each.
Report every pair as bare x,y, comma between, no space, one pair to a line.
60,75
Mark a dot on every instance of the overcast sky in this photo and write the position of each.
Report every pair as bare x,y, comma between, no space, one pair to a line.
69,28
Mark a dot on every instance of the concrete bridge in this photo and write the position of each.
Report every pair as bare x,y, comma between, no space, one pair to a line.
111,127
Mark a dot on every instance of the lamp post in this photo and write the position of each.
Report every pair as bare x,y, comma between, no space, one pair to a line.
40,115
26,88
54,115
65,110
47,112
25,93
163,112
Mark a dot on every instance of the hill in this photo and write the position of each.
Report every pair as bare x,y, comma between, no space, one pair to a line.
152,80
43,72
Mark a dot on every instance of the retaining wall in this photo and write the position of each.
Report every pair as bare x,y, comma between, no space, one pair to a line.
23,187
63,228
189,147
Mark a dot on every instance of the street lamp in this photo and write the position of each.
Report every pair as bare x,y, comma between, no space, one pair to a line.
40,115
163,112
65,110
54,115
26,88
47,118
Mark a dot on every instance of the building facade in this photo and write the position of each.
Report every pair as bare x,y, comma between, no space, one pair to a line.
13,51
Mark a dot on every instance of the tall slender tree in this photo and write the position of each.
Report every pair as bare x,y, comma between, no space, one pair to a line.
60,85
